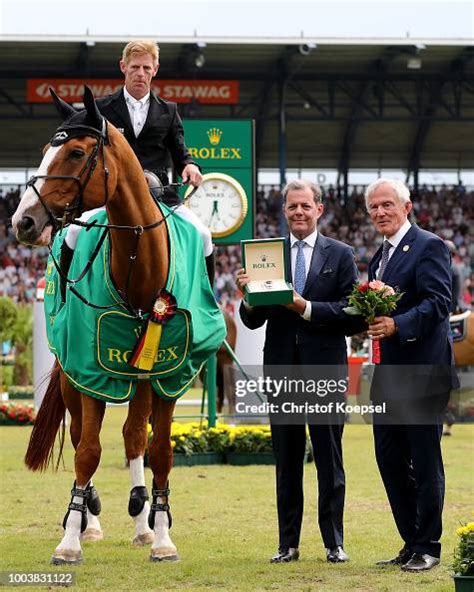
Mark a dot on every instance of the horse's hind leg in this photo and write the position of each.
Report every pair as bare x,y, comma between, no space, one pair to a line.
86,462
135,434
161,461
73,402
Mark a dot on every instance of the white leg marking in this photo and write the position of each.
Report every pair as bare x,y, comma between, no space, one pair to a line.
69,549
143,533
163,548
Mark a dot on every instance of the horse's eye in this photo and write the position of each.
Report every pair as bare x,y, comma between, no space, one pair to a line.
76,153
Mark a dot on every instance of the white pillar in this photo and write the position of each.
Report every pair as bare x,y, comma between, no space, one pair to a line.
43,359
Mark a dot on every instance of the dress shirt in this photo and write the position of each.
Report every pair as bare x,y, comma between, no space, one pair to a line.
395,240
138,110
308,248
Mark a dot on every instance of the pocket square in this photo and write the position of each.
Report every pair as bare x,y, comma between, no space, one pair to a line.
327,270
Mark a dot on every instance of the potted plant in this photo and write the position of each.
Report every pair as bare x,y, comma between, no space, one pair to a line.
250,445
14,414
463,564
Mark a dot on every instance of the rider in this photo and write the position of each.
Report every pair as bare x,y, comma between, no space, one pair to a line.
154,130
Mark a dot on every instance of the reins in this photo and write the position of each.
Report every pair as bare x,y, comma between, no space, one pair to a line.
59,223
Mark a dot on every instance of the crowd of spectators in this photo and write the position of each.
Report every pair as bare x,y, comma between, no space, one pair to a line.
447,211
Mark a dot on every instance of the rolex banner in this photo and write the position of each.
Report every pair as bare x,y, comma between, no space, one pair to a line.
225,151
266,264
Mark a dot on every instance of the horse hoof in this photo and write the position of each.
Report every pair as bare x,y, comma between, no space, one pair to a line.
164,554
143,539
67,558
92,534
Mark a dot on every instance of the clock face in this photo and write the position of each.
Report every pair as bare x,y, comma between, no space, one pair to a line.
220,203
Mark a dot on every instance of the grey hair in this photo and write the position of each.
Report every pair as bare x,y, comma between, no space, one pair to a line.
303,184
402,191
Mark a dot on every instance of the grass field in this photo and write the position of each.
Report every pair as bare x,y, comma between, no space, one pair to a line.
224,523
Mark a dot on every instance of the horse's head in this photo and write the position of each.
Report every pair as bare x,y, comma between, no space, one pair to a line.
69,179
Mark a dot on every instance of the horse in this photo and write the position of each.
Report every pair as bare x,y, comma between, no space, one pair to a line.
89,164
462,328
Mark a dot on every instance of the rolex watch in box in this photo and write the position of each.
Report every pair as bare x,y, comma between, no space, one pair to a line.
266,263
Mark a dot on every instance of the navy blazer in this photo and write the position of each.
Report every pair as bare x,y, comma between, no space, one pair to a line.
162,135
321,340
420,268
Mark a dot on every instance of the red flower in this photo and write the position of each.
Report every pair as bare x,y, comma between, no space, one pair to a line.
363,287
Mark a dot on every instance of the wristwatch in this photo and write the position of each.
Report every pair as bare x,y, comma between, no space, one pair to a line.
220,203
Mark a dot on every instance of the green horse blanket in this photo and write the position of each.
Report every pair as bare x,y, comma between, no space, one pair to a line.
93,346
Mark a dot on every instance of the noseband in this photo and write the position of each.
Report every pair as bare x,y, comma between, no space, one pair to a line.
74,210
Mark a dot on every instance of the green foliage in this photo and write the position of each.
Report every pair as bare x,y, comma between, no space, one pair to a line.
8,317
463,564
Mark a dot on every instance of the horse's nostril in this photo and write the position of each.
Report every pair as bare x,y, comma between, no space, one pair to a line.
26,224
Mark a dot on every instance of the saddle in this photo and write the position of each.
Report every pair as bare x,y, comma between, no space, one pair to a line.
458,323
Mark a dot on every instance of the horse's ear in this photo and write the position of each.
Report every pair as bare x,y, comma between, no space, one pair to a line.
65,110
93,114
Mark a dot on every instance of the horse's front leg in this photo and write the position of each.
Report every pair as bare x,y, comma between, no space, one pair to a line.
135,434
87,459
73,402
161,461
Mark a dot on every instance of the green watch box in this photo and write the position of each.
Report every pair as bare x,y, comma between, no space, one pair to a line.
266,263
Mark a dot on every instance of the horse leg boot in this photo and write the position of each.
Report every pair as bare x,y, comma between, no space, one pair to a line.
72,400
160,520
69,550
86,461
135,435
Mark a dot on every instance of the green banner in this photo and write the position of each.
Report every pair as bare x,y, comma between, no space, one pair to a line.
226,201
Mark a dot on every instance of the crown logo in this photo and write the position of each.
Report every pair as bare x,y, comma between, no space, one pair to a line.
263,258
214,134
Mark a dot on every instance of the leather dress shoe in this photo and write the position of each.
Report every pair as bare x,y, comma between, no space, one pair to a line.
403,556
421,562
336,555
286,555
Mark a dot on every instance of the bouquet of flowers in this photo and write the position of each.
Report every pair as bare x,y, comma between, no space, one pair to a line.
370,300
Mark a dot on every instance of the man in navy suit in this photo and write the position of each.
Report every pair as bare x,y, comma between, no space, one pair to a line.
415,375
309,332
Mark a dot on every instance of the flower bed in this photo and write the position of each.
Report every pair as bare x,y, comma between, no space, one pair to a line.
15,414
21,392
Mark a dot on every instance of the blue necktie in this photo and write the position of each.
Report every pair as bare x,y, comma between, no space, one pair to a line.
300,268
384,259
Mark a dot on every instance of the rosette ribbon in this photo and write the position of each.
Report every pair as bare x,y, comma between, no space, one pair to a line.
144,354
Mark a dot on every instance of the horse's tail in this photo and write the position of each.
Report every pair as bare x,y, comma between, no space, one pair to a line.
46,426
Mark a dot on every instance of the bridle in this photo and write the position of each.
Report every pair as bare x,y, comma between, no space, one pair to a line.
63,135
75,209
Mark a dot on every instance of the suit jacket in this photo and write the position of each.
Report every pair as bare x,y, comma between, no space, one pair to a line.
321,340
162,135
420,268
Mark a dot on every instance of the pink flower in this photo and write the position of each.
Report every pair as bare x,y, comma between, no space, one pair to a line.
388,291
376,285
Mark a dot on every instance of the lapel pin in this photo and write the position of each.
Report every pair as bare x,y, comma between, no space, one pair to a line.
406,248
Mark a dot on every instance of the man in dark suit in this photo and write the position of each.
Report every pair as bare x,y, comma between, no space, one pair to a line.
153,128
308,333
415,375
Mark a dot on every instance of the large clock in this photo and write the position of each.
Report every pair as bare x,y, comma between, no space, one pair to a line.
220,203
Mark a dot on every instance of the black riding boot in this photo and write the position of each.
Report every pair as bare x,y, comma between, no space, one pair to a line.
64,264
211,267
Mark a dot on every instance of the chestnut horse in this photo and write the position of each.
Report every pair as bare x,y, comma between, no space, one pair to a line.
94,167
462,326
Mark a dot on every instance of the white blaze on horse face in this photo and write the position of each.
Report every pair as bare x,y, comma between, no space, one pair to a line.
29,199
